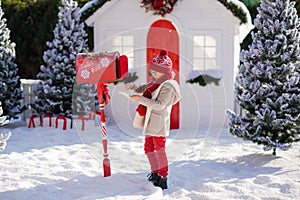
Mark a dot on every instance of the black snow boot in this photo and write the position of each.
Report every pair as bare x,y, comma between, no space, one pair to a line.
153,177
162,183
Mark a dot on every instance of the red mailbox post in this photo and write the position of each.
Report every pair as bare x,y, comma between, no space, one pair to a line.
101,69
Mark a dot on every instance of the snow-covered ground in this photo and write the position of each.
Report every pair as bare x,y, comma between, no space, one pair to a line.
49,163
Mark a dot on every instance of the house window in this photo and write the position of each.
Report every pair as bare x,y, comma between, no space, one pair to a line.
204,52
125,45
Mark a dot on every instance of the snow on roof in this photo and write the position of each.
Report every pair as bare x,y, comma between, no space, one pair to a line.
106,6
244,28
88,5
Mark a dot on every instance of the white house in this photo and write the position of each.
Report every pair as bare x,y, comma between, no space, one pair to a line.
201,36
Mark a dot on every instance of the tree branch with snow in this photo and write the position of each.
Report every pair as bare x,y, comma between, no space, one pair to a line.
3,137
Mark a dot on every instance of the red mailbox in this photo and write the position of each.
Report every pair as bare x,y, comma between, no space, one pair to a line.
101,67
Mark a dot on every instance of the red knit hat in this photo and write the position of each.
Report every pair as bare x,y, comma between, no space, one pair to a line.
161,63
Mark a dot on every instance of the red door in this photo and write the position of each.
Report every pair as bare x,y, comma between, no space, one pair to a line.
163,35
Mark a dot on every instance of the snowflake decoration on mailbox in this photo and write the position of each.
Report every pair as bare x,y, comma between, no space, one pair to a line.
104,62
85,74
100,67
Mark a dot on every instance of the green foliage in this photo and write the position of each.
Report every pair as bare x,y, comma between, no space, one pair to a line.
297,6
236,11
252,6
31,23
90,11
204,79
129,79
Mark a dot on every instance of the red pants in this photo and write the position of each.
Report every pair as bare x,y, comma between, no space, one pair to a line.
156,153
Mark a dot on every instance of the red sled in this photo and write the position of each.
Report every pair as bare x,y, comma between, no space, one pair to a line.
101,67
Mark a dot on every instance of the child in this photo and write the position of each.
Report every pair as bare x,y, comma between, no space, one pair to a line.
156,102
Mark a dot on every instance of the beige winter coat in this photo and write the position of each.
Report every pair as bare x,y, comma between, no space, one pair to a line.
157,119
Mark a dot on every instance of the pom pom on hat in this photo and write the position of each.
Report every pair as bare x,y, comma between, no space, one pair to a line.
163,52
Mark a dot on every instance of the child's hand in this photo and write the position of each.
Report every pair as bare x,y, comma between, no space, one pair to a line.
128,86
135,98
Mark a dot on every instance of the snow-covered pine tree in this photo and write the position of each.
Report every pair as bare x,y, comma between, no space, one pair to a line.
3,137
10,92
3,119
267,86
58,75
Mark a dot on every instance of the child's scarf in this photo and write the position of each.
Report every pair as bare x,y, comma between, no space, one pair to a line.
152,85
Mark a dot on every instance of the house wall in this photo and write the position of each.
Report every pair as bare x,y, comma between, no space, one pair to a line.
199,106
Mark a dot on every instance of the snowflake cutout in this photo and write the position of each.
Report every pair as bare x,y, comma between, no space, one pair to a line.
85,74
104,62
